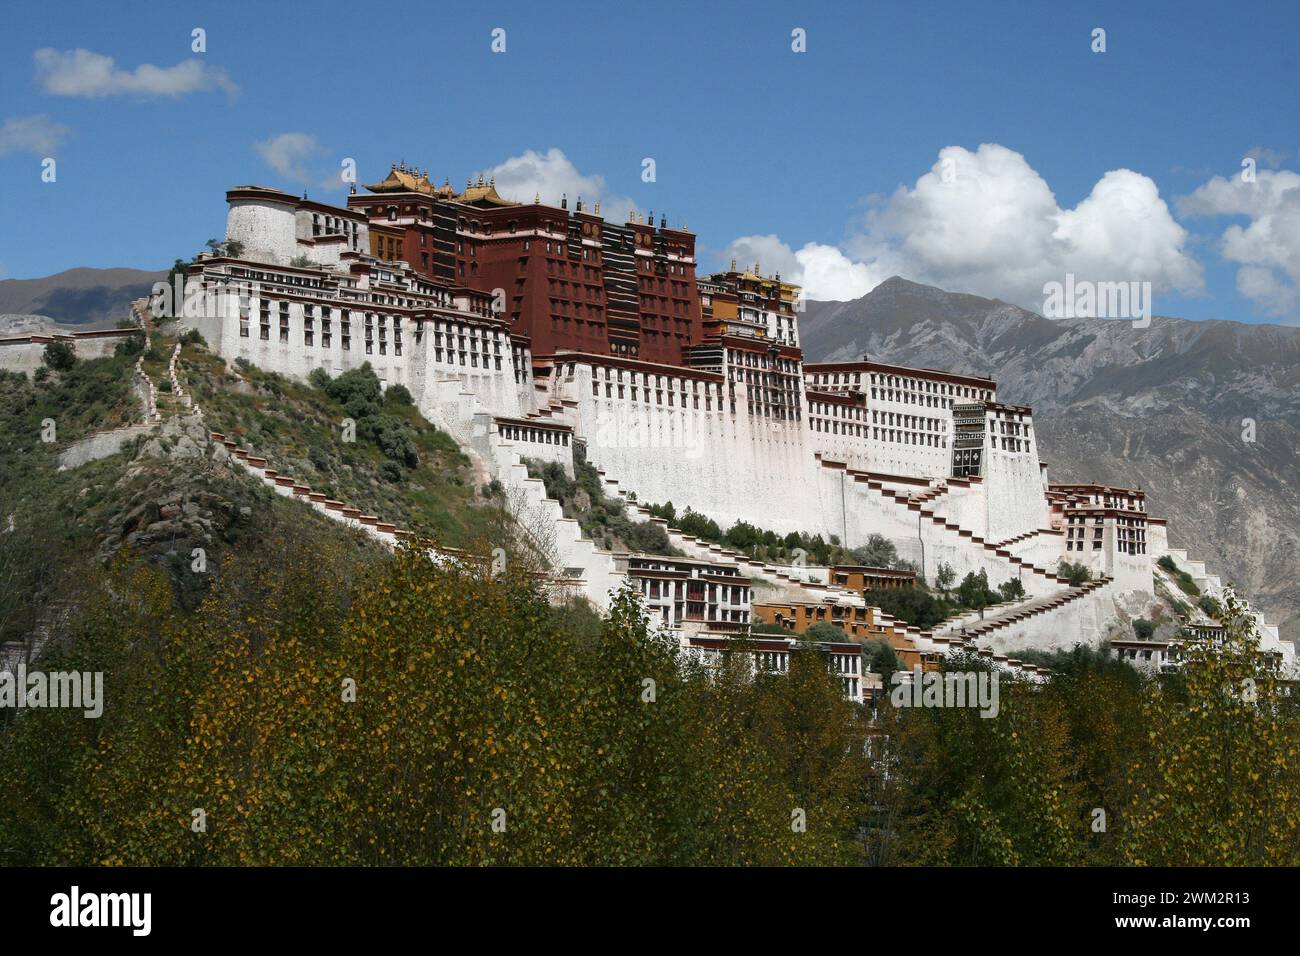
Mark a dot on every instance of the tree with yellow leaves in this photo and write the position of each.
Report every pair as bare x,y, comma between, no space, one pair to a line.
1220,782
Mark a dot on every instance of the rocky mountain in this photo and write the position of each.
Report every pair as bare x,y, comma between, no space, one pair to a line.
81,297
1205,416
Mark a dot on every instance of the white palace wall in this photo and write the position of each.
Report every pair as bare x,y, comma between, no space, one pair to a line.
423,366
1043,548
736,467
266,227
1013,493
730,467
964,504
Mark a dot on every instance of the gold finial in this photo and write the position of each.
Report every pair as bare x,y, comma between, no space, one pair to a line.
733,263
537,199
597,207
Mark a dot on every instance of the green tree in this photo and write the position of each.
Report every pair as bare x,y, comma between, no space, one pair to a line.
877,552
974,591
945,576
59,356
825,631
1219,784
880,657
1075,574
1012,590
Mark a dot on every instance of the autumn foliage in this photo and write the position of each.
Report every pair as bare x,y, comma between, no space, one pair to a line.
485,727
326,706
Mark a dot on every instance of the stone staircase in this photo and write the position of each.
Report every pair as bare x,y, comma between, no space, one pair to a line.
1016,540
1212,584
580,566
178,391
1014,563
1012,615
384,532
110,441
809,581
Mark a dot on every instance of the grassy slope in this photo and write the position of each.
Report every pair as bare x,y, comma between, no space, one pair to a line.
297,428
66,522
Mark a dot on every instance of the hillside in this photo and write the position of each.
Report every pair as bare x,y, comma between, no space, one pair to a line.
171,489
81,297
1161,408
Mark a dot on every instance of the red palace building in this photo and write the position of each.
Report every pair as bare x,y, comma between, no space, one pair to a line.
566,278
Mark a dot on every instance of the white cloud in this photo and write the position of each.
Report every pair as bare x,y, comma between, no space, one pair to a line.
550,176
32,134
288,154
299,157
825,272
986,222
1265,156
1267,248
93,75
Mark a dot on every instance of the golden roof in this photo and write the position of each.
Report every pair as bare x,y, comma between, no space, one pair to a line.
410,180
485,193
403,180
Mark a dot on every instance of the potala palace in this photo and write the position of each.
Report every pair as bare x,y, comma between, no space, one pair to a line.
527,330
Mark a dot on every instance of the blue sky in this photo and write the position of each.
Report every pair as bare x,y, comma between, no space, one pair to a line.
814,161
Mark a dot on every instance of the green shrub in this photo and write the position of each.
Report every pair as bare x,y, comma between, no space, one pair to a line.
878,552
974,591
1076,574
825,631
399,395
879,656
914,605
130,346
59,356
319,458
